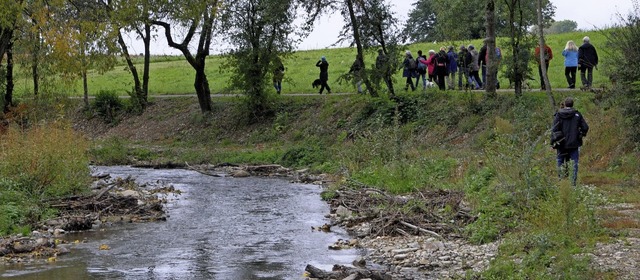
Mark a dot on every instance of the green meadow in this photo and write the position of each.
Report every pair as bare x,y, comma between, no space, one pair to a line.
173,75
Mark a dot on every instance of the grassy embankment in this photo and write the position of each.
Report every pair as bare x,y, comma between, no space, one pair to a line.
173,75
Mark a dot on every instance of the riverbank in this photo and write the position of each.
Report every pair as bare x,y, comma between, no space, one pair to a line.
493,151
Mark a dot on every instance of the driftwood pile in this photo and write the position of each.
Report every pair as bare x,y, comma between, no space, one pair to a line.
80,212
432,212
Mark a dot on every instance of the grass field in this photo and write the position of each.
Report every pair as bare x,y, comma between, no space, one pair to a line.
173,75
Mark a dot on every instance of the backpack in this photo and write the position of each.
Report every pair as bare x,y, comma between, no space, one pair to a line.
422,63
412,64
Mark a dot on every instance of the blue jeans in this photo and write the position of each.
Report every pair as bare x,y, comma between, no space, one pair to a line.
563,158
424,80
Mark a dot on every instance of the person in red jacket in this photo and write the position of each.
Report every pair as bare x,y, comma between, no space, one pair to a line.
548,55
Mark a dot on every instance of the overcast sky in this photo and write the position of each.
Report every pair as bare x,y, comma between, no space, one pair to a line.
589,14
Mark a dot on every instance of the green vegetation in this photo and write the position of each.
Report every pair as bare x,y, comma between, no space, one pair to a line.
44,161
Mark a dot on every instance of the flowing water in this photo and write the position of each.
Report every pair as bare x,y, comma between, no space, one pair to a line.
218,228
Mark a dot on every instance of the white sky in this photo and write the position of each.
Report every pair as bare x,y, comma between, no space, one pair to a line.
589,14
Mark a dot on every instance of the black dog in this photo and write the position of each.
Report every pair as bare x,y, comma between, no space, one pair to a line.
316,83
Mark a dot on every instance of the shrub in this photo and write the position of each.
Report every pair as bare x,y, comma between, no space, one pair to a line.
107,104
44,161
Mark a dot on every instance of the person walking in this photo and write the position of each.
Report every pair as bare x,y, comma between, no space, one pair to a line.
452,68
570,54
324,74
442,62
431,65
474,67
356,72
587,60
422,69
548,56
278,74
569,127
409,71
464,68
482,62
384,71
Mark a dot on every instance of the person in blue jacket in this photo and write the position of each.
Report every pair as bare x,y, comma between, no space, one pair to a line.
570,54
453,68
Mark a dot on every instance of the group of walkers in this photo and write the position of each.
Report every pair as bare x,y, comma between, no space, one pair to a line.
584,58
440,68
443,66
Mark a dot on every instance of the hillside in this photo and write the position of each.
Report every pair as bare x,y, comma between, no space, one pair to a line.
495,151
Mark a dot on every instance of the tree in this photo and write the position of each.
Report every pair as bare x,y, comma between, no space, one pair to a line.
192,15
135,16
492,65
371,24
520,16
459,19
422,23
563,26
258,31
10,12
542,45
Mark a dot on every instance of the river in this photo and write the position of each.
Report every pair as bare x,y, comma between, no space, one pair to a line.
218,228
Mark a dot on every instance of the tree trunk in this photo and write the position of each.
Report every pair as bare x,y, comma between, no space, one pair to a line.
543,65
8,98
492,65
201,83
147,61
35,61
138,92
85,87
360,56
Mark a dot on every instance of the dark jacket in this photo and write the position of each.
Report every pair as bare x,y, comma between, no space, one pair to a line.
407,71
573,127
482,59
587,55
324,69
442,64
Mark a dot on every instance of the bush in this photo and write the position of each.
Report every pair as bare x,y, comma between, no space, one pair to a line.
41,162
107,104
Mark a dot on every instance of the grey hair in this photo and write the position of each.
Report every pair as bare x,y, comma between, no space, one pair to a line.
586,39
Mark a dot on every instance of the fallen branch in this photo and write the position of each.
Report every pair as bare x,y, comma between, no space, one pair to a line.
421,229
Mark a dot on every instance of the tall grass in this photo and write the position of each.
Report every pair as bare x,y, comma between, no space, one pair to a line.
44,161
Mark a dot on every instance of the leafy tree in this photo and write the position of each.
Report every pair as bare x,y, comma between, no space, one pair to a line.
370,24
197,18
460,19
520,16
623,66
10,13
563,26
422,22
258,31
134,16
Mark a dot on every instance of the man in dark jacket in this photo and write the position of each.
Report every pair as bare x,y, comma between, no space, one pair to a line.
324,74
482,61
587,60
573,128
464,68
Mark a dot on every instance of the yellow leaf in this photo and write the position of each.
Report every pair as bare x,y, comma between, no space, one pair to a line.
51,259
104,247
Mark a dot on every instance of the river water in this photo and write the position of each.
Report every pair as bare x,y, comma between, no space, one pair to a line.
218,228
